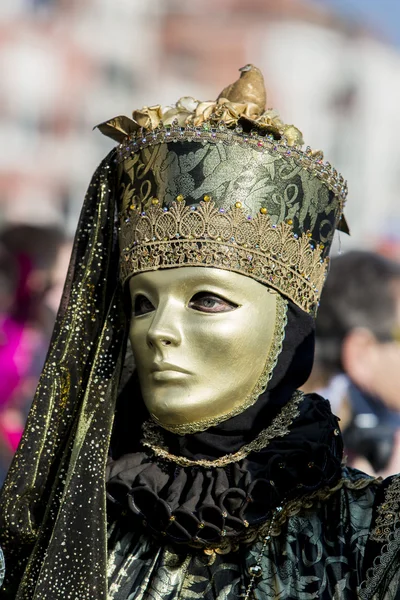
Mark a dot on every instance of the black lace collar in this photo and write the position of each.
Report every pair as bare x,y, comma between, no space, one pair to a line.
205,506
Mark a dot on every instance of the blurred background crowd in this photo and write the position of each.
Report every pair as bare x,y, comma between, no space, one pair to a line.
332,68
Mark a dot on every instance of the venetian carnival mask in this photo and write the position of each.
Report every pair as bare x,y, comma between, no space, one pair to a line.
223,216
202,338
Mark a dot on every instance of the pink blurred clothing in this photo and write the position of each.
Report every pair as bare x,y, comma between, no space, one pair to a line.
18,344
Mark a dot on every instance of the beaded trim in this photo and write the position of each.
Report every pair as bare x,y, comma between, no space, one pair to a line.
211,132
279,427
255,570
261,385
204,235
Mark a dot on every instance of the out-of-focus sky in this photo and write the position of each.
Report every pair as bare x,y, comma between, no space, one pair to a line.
382,15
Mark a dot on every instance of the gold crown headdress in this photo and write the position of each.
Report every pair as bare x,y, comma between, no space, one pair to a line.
226,184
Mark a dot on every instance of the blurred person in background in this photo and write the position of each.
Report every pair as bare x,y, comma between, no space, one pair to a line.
27,258
8,279
357,362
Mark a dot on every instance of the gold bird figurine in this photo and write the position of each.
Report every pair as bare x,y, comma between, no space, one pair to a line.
248,88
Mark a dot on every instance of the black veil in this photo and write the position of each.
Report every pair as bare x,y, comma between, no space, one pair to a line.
52,506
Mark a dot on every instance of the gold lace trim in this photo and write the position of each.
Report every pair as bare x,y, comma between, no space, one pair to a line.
386,532
261,385
279,427
204,235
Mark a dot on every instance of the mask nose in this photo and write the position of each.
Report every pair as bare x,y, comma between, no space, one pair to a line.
164,329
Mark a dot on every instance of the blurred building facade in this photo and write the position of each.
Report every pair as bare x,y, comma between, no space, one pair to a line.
67,65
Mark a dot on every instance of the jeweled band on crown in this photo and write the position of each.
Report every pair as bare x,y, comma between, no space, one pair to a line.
182,235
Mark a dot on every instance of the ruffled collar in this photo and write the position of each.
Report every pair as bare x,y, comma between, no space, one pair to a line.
205,506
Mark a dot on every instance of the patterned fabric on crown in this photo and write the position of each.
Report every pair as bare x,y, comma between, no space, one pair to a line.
230,188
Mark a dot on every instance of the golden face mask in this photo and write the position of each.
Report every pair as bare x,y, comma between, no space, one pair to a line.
205,342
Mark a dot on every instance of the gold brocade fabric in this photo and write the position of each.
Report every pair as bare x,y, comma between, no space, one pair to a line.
229,173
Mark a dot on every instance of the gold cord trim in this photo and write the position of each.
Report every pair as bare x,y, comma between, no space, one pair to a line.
204,235
388,513
279,427
289,509
261,385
